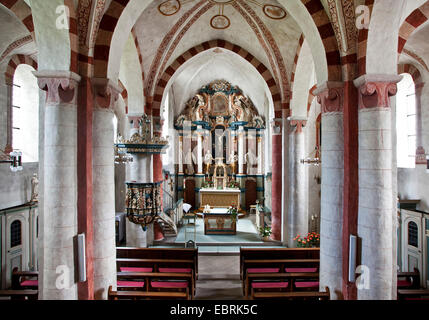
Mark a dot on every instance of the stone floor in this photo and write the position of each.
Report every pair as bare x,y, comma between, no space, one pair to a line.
219,278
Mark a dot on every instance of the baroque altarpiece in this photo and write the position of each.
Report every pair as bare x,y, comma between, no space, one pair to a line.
220,145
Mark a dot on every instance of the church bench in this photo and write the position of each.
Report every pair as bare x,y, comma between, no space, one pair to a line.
22,280
408,280
142,295
20,294
279,265
276,254
156,281
160,253
413,294
290,281
309,295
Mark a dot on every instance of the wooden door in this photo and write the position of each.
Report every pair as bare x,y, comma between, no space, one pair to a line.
412,244
251,194
189,193
16,245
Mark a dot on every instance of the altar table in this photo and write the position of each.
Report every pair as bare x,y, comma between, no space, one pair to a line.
219,221
220,198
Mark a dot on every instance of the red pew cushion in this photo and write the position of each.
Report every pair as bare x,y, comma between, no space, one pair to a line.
169,284
134,269
263,270
175,270
301,269
266,285
404,283
307,284
134,284
30,283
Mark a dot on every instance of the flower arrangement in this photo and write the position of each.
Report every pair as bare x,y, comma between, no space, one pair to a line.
208,184
312,240
233,184
265,231
233,211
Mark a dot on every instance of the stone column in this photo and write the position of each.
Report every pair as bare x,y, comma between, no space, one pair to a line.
276,195
297,220
180,174
106,95
139,170
420,151
199,150
180,155
9,114
58,217
260,154
331,97
375,184
241,134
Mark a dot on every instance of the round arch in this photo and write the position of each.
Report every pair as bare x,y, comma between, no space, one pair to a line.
14,62
194,51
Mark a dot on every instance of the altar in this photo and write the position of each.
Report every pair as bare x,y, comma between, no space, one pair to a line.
220,198
219,221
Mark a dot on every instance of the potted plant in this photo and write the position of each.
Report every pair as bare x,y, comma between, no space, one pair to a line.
312,240
233,211
265,232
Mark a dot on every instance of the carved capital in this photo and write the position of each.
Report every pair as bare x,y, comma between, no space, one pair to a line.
276,126
61,86
331,96
106,93
375,90
297,125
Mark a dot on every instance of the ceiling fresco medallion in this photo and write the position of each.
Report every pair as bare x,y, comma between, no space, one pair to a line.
169,7
274,12
220,21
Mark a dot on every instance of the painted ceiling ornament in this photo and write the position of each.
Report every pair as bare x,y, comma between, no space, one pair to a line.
274,12
169,7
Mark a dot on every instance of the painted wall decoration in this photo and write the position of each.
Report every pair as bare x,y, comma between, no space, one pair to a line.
274,12
220,21
169,7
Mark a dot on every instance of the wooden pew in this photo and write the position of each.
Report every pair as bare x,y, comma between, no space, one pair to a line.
311,295
20,294
22,280
413,294
160,253
409,280
276,253
158,265
279,266
285,281
142,295
145,281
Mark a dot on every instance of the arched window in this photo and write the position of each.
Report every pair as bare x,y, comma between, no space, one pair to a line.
15,234
406,122
413,232
25,124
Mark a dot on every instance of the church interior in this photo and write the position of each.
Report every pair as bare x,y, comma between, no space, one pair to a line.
214,149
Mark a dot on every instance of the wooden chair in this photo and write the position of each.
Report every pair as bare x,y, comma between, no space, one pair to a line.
409,280
22,280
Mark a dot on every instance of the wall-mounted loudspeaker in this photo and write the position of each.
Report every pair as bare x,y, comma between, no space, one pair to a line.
352,258
81,257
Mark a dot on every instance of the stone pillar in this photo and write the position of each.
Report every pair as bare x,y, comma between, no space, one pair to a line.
420,151
140,170
241,134
106,94
9,114
199,150
375,183
180,155
330,96
276,200
297,219
58,217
